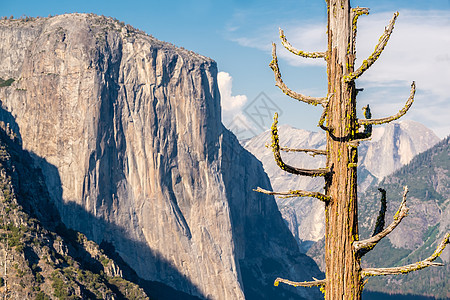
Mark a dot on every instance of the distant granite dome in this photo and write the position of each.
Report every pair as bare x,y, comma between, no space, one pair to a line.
127,132
397,144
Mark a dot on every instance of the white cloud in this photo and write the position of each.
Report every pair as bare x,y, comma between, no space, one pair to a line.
232,106
310,38
418,50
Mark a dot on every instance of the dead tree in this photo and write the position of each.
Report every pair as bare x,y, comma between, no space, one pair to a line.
344,277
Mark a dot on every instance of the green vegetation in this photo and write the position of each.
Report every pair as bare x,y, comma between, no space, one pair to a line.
7,193
39,278
131,290
93,281
428,179
104,260
13,235
5,83
40,267
42,296
62,289
20,272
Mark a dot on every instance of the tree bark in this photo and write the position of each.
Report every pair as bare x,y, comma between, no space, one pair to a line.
343,250
343,270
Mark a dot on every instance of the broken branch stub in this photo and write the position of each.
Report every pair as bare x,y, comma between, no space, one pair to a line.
398,115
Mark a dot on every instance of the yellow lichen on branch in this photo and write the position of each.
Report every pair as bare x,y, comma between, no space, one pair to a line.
293,170
279,83
398,115
316,282
356,12
291,49
411,267
295,193
367,63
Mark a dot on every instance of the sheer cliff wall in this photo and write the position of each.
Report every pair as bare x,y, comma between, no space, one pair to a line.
127,131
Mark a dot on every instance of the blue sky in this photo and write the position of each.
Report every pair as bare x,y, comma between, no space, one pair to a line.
237,34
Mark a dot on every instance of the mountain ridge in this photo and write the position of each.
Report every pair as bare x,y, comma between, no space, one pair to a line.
41,257
127,132
428,179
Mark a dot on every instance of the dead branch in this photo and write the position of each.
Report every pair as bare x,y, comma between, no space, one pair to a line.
402,112
316,282
412,267
293,170
364,246
379,225
366,64
289,47
367,133
312,152
355,13
279,83
296,193
324,115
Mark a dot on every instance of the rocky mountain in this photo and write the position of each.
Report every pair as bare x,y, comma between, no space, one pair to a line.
41,258
428,179
390,147
126,131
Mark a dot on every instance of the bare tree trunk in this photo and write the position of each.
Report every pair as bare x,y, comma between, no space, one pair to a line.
342,266
343,249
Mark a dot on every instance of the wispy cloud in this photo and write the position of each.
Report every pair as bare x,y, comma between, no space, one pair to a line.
311,37
419,50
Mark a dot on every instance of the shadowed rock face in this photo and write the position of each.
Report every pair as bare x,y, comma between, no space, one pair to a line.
127,132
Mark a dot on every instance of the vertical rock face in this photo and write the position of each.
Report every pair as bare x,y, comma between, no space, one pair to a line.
399,143
128,134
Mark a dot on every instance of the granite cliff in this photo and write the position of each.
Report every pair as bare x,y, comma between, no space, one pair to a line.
127,132
40,257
